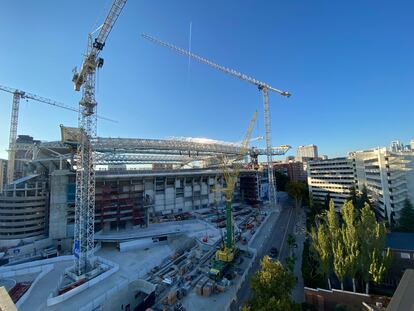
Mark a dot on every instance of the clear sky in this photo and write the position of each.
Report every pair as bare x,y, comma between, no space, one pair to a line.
348,64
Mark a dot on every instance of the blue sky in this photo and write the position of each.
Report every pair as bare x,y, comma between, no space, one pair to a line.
348,64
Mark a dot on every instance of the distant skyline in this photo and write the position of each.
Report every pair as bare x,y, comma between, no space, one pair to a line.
349,66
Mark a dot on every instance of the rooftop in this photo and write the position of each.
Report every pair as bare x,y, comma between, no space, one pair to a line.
400,240
403,298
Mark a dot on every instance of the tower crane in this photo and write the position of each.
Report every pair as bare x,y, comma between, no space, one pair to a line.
231,168
17,96
263,87
85,172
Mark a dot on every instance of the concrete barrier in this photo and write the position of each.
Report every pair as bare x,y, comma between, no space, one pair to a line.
35,263
53,300
45,269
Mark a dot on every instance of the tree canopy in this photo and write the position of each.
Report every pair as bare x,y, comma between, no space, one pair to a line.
271,285
281,181
297,190
406,219
351,245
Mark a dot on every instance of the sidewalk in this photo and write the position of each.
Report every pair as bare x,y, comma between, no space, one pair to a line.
298,292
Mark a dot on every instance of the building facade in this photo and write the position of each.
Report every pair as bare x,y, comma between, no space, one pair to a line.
293,169
24,210
334,176
309,151
133,198
389,178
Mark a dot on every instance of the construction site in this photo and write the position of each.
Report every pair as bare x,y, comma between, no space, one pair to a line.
100,223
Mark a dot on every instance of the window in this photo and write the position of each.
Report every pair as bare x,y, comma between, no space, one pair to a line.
405,255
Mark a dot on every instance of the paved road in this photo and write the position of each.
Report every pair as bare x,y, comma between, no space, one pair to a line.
278,237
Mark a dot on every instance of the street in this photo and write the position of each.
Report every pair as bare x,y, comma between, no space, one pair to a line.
278,236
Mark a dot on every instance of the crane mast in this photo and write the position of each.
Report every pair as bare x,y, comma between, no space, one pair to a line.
13,135
17,96
85,171
263,87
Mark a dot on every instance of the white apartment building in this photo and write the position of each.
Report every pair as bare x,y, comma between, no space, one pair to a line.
388,177
309,151
333,176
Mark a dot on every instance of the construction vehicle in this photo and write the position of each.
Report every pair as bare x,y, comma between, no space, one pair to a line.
85,79
17,96
231,167
263,87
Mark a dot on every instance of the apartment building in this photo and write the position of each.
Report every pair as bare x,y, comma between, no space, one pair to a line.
334,176
306,152
388,177
293,169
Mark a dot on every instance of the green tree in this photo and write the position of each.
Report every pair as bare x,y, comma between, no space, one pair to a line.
290,262
271,288
406,219
380,259
315,208
327,200
373,260
351,240
339,261
353,196
291,240
321,245
281,181
332,221
362,199
297,190
366,231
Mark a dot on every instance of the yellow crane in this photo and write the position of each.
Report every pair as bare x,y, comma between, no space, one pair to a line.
231,168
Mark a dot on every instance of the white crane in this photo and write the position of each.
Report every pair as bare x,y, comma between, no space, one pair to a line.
17,96
85,171
263,87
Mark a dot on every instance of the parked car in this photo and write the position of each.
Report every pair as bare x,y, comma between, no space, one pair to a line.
273,252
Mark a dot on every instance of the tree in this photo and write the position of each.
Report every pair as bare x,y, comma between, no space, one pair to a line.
297,190
353,196
291,240
321,244
380,259
327,200
339,261
315,208
351,240
271,286
373,260
356,247
290,263
366,229
332,222
406,219
362,199
281,181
